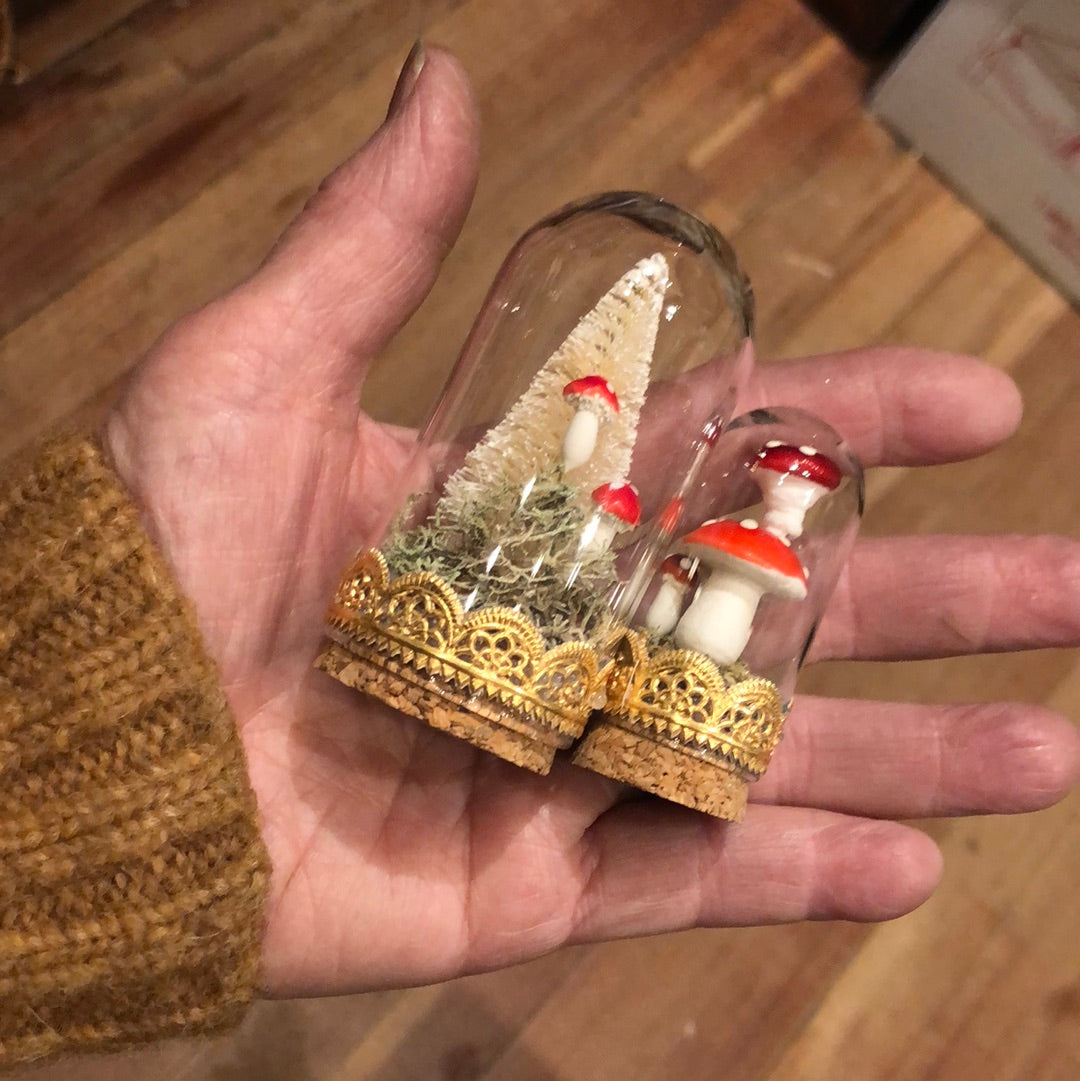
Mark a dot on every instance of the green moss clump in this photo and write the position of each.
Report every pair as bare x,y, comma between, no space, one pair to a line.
515,548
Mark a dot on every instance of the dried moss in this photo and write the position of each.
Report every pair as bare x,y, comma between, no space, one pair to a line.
518,549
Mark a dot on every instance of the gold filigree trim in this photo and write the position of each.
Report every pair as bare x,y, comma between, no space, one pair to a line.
685,698
416,624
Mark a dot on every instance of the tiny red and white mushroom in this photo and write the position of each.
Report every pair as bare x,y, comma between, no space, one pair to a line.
617,508
677,572
745,561
792,479
594,403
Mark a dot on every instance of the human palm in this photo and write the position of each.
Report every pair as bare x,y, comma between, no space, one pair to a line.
401,855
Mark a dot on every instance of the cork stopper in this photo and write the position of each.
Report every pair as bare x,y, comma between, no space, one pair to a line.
514,739
679,774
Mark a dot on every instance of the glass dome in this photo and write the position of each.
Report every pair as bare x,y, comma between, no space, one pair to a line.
729,584
776,473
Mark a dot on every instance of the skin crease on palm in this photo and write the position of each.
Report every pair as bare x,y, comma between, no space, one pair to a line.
402,856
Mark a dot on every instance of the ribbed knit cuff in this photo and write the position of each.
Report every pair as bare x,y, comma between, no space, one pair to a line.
132,875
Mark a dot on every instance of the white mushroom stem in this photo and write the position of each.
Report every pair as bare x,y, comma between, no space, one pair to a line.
598,534
788,500
719,619
663,613
580,439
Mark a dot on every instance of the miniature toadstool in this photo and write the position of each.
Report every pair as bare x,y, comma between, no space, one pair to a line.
594,403
676,574
792,480
745,561
617,508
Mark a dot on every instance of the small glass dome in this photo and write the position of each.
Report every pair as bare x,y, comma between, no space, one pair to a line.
751,548
725,590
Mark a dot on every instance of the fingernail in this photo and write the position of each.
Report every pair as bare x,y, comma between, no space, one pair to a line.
406,84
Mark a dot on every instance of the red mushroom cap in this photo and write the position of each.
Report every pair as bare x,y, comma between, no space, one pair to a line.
805,462
675,567
746,547
591,388
619,500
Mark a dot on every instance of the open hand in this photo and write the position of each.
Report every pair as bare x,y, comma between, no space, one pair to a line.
403,856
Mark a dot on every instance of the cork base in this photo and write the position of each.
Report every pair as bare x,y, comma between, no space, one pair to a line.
681,776
495,731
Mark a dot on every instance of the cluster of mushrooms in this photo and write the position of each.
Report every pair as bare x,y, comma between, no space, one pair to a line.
730,564
733,564
617,505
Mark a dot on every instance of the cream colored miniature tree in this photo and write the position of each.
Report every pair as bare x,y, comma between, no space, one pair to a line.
614,340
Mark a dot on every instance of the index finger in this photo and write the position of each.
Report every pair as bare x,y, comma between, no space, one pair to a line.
896,405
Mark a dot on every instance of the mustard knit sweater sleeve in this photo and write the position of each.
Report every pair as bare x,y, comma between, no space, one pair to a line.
132,875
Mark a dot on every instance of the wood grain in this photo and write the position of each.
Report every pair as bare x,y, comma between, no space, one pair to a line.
7,41
150,165
49,31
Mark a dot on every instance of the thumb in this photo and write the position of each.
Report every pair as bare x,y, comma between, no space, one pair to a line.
364,253
354,265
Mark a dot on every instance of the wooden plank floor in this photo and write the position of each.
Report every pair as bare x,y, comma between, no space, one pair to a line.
149,169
